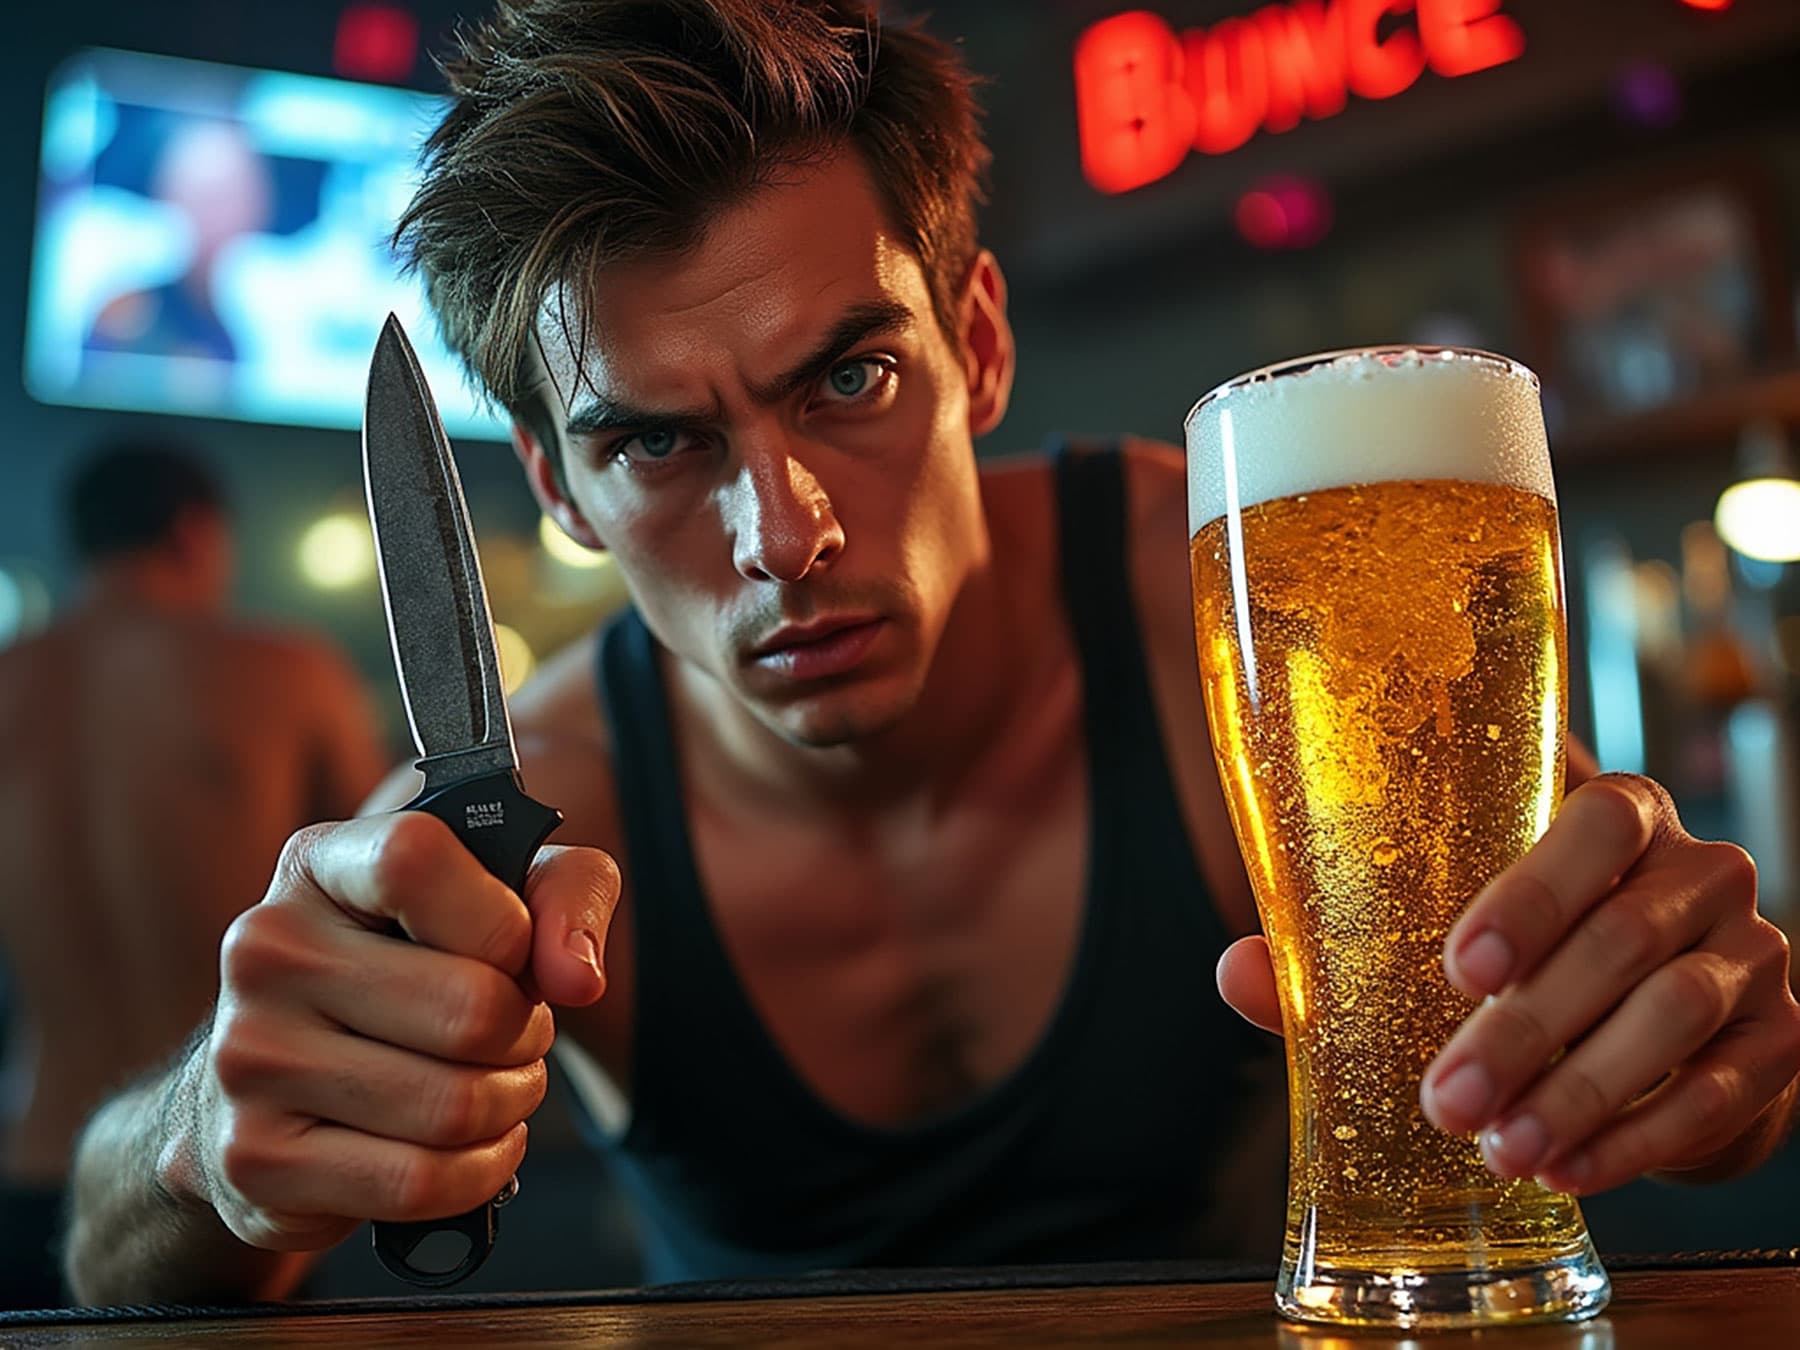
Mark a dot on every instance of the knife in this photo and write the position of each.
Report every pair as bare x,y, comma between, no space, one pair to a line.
449,671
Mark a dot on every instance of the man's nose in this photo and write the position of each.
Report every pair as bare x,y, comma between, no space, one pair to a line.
784,525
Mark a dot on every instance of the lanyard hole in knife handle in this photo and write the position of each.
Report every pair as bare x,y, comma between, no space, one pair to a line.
438,1253
504,829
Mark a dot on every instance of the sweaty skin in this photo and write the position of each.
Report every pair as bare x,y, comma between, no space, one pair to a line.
151,765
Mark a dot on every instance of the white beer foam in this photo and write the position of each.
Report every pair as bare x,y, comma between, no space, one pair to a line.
1465,415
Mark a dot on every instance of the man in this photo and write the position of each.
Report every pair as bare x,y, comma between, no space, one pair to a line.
908,962
153,757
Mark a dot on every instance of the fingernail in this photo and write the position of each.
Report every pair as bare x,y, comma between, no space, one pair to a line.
1485,960
1513,1149
1465,1094
582,944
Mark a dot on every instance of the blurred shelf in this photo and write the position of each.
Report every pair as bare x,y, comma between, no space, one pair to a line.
1711,420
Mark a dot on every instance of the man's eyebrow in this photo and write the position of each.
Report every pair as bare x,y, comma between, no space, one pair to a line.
863,320
599,413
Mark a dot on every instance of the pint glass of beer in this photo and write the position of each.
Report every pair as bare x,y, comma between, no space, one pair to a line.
1378,609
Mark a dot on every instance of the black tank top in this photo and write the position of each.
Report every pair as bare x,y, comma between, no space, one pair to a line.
1146,1122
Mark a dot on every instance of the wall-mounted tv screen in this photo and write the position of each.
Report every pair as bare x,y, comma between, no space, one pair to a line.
213,241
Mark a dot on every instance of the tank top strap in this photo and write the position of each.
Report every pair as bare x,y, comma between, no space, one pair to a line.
1092,513
1141,845
686,991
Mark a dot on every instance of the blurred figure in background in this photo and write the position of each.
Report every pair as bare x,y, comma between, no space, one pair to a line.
154,754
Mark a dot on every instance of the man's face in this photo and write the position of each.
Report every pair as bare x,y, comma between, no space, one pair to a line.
772,435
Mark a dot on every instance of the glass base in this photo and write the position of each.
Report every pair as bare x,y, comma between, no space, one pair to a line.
1564,1290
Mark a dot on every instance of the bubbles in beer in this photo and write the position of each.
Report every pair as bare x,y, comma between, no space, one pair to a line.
1405,744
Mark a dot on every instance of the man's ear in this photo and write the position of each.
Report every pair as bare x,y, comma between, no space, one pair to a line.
546,485
987,344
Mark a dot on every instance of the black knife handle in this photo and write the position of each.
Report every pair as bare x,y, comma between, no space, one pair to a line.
504,829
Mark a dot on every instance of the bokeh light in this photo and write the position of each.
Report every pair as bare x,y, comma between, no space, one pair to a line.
565,550
12,608
1760,518
1647,95
1284,211
517,660
337,552
24,603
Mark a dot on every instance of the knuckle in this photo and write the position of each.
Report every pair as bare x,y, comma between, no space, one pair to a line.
1579,1098
239,1053
244,1159
458,1111
1519,1031
1534,912
1696,999
290,864
1622,936
258,949
1736,870
1626,807
1712,1096
406,855
412,1183
1771,954
476,1005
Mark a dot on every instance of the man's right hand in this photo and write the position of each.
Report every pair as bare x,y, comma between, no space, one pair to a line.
380,1032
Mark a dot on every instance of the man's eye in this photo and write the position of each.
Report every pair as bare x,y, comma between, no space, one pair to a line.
650,446
852,379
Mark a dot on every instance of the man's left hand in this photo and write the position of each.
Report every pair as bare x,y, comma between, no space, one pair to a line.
1637,1015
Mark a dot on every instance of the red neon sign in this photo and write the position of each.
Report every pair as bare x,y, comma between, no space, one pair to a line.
1145,96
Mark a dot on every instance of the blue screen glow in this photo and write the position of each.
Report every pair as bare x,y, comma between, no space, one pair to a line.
213,241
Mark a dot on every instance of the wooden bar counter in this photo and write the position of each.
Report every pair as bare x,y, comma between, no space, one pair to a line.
1717,1303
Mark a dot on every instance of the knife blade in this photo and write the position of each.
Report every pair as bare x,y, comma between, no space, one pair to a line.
450,684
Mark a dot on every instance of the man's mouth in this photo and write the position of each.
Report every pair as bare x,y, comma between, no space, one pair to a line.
820,648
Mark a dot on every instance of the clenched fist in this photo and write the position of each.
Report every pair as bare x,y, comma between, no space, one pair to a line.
380,1033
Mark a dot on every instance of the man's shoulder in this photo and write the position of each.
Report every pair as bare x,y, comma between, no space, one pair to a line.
1156,469
1020,491
1157,535
562,696
1157,475
565,745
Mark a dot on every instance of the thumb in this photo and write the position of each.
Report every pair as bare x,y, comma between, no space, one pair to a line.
571,893
1246,978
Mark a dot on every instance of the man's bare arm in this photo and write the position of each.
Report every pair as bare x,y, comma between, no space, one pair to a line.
134,1238
344,1075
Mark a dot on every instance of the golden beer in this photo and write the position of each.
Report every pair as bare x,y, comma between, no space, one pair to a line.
1385,675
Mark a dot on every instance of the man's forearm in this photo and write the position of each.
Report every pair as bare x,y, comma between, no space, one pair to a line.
133,1241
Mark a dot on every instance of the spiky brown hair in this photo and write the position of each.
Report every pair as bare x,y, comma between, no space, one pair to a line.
582,132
